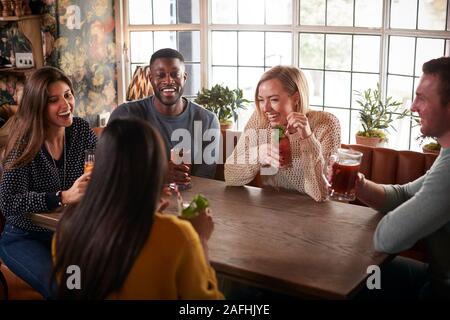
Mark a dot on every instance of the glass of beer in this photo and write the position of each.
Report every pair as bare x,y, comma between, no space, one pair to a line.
181,156
344,167
89,159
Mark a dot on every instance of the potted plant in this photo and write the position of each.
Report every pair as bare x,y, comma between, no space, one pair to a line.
376,116
431,147
222,101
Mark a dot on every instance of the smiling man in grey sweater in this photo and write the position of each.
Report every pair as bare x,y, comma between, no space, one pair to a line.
419,210
181,123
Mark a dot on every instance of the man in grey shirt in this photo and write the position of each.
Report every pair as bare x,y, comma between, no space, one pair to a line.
181,123
419,210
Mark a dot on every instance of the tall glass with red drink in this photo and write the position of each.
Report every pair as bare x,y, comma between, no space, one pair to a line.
344,170
284,146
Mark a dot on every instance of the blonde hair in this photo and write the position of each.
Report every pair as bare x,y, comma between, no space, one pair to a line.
293,80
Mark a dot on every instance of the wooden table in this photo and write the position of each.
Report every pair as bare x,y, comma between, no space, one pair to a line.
285,241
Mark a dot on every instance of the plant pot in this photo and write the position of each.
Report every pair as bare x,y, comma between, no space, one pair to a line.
225,126
425,149
369,141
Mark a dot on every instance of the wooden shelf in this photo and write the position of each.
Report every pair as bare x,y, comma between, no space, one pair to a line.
17,71
16,18
30,26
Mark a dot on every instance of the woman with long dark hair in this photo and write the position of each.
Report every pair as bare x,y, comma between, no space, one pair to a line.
124,250
43,169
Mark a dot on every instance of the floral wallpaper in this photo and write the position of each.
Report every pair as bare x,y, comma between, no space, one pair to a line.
79,38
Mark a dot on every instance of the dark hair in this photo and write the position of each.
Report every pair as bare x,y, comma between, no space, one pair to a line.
29,122
104,234
441,68
166,53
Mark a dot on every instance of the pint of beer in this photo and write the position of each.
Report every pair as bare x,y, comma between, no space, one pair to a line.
344,171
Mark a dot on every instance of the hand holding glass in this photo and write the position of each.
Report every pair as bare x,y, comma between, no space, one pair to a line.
89,159
343,171
182,160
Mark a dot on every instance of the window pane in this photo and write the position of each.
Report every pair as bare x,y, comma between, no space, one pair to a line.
244,116
355,125
428,49
188,11
140,11
401,55
340,13
416,141
165,39
248,79
338,52
278,48
193,82
164,11
315,84
278,11
251,48
398,136
189,45
219,41
224,75
400,88
311,50
368,13
141,46
251,12
432,14
344,120
134,66
224,11
337,89
366,53
398,17
362,82
312,12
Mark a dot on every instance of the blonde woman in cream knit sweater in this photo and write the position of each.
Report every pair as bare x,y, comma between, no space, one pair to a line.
281,98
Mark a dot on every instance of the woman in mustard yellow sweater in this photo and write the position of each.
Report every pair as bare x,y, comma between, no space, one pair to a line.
123,249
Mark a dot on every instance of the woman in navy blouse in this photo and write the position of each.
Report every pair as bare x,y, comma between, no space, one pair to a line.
43,169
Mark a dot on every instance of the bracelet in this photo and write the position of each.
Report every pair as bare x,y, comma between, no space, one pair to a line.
59,196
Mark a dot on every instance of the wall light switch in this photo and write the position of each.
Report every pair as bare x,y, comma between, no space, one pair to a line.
24,60
103,119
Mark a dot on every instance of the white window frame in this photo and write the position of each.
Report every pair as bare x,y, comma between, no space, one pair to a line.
206,28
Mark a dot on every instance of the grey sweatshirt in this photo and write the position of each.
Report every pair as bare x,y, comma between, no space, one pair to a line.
416,210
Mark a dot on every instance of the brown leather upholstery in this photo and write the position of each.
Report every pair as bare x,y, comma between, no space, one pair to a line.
388,166
17,288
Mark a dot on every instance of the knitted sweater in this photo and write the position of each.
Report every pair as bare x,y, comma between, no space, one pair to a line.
309,156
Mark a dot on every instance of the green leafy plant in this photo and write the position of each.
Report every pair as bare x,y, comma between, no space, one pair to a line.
222,101
433,145
376,115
